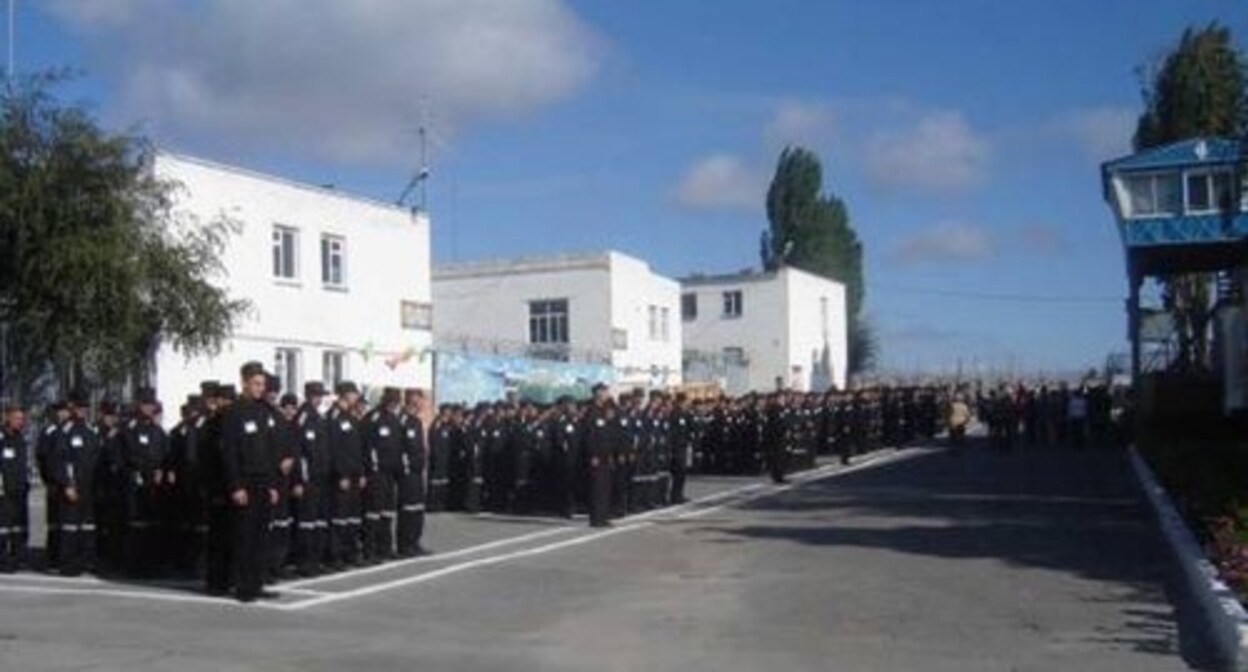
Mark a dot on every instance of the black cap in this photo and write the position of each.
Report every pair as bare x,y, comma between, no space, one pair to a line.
288,399
391,395
228,392
194,400
251,369
145,395
209,388
77,398
413,393
313,388
271,384
346,387
599,387
108,407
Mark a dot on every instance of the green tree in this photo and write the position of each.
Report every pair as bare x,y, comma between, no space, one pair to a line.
811,230
96,269
1197,90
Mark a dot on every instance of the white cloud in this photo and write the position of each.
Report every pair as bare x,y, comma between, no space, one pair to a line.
721,182
941,152
343,80
796,122
946,242
1102,133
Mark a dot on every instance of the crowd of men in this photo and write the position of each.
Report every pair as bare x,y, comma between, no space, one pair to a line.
252,486
1058,415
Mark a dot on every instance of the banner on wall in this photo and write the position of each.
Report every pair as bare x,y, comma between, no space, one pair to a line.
469,378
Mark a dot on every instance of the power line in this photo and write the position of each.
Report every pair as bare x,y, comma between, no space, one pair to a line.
1004,297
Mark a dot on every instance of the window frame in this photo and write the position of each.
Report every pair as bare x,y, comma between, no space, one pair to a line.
733,299
340,369
689,307
278,253
328,240
1154,178
551,325
287,366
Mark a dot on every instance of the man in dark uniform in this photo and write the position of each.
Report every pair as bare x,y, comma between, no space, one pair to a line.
601,433
218,540
565,458
681,438
384,448
251,469
411,485
475,435
109,503
776,437
143,452
181,539
281,527
45,451
346,449
74,469
14,488
441,448
312,494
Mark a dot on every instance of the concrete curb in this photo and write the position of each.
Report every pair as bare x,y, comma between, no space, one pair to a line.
1218,605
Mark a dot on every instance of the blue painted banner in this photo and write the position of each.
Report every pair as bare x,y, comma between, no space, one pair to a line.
468,378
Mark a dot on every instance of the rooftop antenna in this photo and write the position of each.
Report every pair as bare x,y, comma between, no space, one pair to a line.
421,178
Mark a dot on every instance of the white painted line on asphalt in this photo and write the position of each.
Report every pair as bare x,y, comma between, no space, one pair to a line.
130,594
455,569
426,559
827,471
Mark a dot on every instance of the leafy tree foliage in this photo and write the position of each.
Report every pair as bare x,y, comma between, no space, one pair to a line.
811,231
95,268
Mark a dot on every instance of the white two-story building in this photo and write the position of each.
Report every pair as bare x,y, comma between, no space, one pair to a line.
338,285
780,330
597,308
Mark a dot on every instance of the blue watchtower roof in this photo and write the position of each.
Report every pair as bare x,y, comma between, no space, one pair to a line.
1183,154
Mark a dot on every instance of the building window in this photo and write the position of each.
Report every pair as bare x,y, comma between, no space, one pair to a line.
334,261
732,303
689,307
619,339
734,356
665,333
416,315
1154,195
285,252
333,368
548,321
1208,192
653,313
286,368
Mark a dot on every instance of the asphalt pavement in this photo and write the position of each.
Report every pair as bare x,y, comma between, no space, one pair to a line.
918,559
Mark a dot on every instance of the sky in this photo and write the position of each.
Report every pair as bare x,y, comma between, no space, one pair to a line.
965,135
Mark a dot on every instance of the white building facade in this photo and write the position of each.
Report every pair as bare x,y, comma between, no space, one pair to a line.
782,330
602,308
338,285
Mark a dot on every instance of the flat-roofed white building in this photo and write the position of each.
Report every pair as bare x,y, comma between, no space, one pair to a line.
600,308
339,285
781,330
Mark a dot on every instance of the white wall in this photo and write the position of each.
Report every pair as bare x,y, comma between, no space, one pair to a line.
761,331
488,302
387,262
647,362
808,333
492,303
780,326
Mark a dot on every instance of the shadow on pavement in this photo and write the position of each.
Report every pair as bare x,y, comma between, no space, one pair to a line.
1076,512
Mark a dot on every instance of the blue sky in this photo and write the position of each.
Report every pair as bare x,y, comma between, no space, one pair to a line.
964,135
